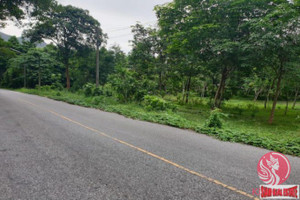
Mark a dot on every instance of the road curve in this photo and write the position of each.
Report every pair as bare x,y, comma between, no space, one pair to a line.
53,150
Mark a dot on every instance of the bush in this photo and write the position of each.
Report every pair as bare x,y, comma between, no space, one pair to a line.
197,101
44,88
108,90
57,86
158,104
97,100
215,119
124,83
90,89
97,91
129,86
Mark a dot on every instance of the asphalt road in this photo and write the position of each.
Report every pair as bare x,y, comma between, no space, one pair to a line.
53,150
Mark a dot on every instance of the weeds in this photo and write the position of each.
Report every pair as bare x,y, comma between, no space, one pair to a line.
250,127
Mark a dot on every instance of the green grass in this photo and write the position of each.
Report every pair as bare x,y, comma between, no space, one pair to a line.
246,122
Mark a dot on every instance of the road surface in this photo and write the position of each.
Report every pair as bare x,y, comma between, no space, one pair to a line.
53,150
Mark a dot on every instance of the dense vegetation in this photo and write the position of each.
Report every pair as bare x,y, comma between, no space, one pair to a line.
227,68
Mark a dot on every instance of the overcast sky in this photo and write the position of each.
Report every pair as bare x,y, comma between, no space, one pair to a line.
115,16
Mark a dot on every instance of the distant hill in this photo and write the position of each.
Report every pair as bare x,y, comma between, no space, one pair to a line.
6,38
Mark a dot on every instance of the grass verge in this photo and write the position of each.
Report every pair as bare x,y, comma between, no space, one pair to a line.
245,123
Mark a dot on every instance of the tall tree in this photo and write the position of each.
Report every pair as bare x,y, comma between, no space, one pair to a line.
35,67
70,28
275,40
98,39
210,33
19,9
5,55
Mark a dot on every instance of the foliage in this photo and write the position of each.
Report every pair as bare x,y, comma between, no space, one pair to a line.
282,140
90,89
39,64
18,9
238,55
127,86
215,119
70,28
291,147
158,104
5,55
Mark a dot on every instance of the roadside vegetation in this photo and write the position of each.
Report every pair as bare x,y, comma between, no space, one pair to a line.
228,69
241,121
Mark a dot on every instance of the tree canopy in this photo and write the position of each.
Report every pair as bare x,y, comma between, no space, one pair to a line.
69,28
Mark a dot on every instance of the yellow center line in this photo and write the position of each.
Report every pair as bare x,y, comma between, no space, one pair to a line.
148,153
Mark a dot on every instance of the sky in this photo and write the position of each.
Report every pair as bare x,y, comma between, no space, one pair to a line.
115,16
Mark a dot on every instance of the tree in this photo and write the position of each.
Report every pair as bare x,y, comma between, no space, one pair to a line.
142,56
5,55
99,40
18,9
35,67
291,84
70,28
257,82
211,34
275,38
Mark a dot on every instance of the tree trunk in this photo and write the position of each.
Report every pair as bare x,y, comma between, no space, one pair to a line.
219,93
68,76
268,93
257,94
183,90
276,94
160,82
296,97
39,72
25,74
267,98
97,66
204,90
188,90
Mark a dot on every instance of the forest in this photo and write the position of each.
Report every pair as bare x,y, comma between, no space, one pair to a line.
226,68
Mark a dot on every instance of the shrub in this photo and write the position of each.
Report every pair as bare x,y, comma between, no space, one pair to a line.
108,90
197,101
140,94
124,83
129,86
44,88
88,89
57,86
179,98
97,91
215,119
156,103
253,109
97,100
